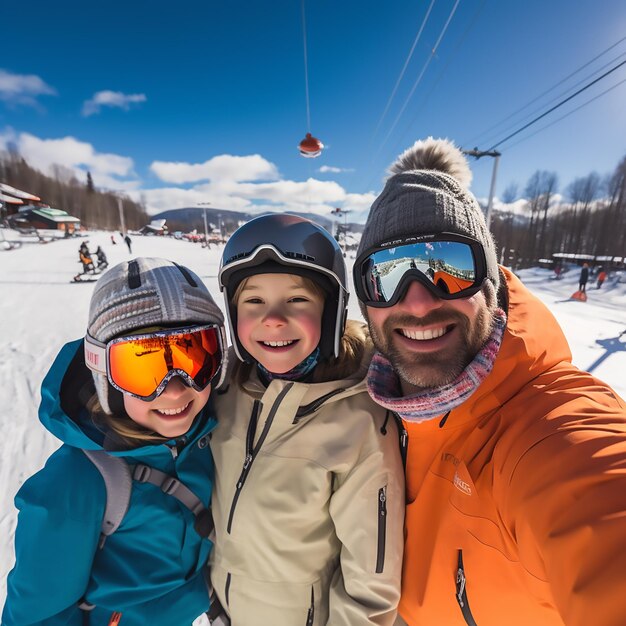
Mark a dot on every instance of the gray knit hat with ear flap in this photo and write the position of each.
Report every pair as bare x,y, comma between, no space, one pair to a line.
147,292
427,193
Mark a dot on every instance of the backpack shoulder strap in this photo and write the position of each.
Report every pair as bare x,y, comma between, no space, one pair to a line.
118,483
173,487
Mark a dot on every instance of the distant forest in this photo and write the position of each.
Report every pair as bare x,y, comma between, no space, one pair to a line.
587,217
62,190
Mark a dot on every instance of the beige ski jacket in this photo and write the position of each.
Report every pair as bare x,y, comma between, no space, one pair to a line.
308,503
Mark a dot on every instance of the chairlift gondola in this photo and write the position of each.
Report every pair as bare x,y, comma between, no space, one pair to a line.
310,147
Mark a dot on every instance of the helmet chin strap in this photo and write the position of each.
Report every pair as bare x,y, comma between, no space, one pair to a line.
116,402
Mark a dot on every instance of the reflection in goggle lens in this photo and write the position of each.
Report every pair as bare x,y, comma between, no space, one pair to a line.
139,365
448,265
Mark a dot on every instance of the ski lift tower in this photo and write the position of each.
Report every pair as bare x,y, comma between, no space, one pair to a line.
342,230
120,209
477,154
206,230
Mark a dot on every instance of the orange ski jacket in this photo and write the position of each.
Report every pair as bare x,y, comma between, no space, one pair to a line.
516,502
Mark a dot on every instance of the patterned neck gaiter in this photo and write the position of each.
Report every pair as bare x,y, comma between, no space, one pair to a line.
298,373
384,388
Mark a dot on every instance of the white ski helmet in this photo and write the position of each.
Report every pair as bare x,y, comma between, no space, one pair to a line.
284,243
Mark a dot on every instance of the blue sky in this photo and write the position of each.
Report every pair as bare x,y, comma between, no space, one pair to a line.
190,102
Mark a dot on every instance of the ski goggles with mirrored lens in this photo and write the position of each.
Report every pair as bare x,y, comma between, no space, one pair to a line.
142,365
450,266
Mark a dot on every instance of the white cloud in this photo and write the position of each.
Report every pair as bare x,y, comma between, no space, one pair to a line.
23,88
330,169
359,201
290,191
115,99
165,198
241,184
108,170
311,196
7,136
238,183
223,167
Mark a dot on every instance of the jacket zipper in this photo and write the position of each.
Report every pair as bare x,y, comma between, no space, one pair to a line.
227,590
251,450
256,408
303,411
311,612
404,439
382,529
461,592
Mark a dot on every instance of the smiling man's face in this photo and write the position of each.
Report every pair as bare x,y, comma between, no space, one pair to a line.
429,341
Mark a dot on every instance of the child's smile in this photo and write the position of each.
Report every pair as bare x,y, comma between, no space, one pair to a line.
279,320
279,345
172,413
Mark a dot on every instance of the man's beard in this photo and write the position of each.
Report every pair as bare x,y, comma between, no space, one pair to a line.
437,368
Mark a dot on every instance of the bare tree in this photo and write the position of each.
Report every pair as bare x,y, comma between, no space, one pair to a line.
582,192
550,183
502,225
509,195
613,235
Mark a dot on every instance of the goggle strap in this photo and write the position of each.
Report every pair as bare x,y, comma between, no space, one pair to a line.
95,356
224,364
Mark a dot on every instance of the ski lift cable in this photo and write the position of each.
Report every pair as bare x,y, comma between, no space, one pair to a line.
306,68
566,114
419,78
406,63
458,46
593,82
492,136
582,67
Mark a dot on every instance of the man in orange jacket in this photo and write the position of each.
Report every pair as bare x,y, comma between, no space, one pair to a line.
516,460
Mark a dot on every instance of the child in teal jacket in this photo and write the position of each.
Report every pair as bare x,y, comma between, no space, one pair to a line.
154,343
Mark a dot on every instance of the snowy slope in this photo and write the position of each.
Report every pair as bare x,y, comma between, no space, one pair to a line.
40,310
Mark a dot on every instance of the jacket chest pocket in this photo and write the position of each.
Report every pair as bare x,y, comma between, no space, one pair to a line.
474,512
491,590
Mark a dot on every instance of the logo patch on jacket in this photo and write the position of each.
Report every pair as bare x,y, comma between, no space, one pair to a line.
461,485
463,481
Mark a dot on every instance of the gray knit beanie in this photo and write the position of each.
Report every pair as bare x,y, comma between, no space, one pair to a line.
147,292
427,193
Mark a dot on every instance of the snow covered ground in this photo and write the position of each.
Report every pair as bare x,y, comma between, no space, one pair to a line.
40,310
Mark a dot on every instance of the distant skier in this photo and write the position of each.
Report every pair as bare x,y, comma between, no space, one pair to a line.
128,242
102,258
601,278
584,277
113,240
558,270
85,258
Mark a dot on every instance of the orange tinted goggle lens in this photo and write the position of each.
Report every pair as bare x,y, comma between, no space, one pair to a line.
139,364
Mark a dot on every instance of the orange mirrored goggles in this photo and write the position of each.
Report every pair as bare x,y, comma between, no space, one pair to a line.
142,365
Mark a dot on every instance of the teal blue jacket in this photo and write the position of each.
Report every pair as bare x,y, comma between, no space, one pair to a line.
151,569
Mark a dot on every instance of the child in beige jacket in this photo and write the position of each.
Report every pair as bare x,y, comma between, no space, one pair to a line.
309,487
